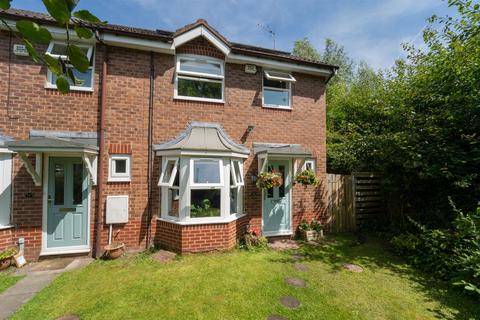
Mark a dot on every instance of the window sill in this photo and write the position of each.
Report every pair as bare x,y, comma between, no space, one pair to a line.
119,180
10,226
267,106
213,221
72,88
182,98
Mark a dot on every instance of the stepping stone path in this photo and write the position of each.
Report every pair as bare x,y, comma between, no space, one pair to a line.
69,317
297,256
284,244
353,267
276,317
163,256
290,302
296,282
301,267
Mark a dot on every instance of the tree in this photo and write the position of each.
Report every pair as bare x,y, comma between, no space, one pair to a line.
82,22
304,48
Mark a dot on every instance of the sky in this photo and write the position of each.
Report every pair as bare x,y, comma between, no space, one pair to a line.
371,30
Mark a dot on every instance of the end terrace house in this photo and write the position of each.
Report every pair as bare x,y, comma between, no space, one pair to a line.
159,142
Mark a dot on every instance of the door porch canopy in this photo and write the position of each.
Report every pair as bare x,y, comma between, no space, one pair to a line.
82,144
296,152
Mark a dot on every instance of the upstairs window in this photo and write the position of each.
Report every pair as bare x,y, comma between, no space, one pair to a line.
83,81
119,168
199,78
277,89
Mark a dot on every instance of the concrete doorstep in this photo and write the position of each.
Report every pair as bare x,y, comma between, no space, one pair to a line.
36,279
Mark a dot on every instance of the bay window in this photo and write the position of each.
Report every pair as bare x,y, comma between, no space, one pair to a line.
199,78
83,81
277,89
198,190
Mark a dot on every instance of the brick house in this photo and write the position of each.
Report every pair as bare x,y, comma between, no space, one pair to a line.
160,141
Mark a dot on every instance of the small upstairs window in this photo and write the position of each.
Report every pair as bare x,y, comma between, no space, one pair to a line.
83,81
277,89
119,168
199,78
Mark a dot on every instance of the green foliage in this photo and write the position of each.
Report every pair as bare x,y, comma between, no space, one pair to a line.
313,225
253,242
451,254
204,210
268,180
307,178
305,49
8,253
5,4
31,33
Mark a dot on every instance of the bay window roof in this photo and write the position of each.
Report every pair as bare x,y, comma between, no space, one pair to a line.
4,139
202,138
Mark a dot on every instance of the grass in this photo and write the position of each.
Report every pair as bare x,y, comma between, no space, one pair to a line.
6,281
248,285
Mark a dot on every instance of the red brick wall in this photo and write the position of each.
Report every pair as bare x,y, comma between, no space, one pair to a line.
6,239
31,106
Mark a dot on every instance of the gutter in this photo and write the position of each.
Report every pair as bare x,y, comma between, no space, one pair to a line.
101,144
331,76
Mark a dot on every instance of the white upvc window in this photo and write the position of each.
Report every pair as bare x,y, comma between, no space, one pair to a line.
309,165
83,81
236,187
199,78
204,190
277,89
119,169
5,188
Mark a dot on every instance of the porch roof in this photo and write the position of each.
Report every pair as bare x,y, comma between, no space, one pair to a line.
281,149
54,141
202,137
4,139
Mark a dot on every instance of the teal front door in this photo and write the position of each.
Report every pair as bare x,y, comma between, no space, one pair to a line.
67,204
276,202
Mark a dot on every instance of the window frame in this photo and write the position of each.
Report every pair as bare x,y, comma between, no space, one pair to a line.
288,90
173,173
194,185
313,163
199,76
233,173
90,55
6,181
119,177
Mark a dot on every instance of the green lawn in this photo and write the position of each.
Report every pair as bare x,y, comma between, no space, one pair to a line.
7,281
248,285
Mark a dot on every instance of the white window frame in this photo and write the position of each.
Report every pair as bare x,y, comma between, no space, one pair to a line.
206,185
312,163
50,85
6,189
164,171
233,173
288,89
119,177
199,76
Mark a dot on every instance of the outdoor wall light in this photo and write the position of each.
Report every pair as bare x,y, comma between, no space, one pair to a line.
250,128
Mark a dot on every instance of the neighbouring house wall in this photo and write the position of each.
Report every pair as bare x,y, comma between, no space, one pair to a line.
32,107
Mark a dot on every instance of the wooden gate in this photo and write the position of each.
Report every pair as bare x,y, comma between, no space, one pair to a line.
354,200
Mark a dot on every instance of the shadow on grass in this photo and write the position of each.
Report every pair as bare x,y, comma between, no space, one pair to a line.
373,254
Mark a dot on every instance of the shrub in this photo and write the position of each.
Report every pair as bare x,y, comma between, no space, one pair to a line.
252,241
451,254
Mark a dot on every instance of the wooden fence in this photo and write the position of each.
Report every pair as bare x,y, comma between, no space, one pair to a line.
354,200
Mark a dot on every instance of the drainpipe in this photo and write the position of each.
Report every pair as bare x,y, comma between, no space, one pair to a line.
331,76
101,143
150,151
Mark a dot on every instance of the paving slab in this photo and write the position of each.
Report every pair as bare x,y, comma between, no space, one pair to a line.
301,267
164,256
290,302
296,282
284,244
276,317
353,267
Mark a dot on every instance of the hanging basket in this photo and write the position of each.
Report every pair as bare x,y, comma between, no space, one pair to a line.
268,180
307,178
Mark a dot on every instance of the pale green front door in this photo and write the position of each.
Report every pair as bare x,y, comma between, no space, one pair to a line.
67,202
276,202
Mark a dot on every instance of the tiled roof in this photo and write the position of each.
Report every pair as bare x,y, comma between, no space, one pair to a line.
167,36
